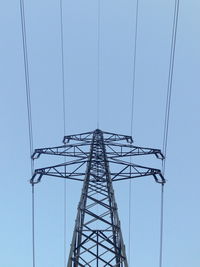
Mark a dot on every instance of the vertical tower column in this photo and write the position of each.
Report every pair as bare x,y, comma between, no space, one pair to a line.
97,238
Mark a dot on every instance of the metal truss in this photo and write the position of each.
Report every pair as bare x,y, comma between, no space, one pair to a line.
97,238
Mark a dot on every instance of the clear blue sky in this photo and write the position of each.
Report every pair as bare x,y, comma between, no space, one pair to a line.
182,218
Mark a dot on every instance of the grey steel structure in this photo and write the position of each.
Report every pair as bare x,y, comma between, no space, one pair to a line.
97,239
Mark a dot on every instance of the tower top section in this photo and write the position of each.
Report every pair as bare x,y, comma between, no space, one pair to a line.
118,150
108,137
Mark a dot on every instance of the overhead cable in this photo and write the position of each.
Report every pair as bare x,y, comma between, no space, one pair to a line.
170,80
161,224
64,131
30,127
131,124
98,61
167,117
134,65
26,70
62,65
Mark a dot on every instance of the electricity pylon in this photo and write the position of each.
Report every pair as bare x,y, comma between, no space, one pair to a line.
97,239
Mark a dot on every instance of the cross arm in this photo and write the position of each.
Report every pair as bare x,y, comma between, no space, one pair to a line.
123,150
70,150
131,171
61,171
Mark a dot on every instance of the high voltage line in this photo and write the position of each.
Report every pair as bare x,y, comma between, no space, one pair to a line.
64,128
167,110
167,117
29,112
132,118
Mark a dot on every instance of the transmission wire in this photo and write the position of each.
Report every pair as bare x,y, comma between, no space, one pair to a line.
98,63
167,117
132,117
129,219
170,80
30,127
161,224
64,131
134,65
62,65
26,70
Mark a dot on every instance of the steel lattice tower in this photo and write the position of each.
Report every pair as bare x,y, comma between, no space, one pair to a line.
97,239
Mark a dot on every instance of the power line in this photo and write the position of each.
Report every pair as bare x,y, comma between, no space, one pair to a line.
64,129
33,223
132,116
170,80
98,63
167,117
62,65
26,70
129,220
161,224
134,65
30,127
